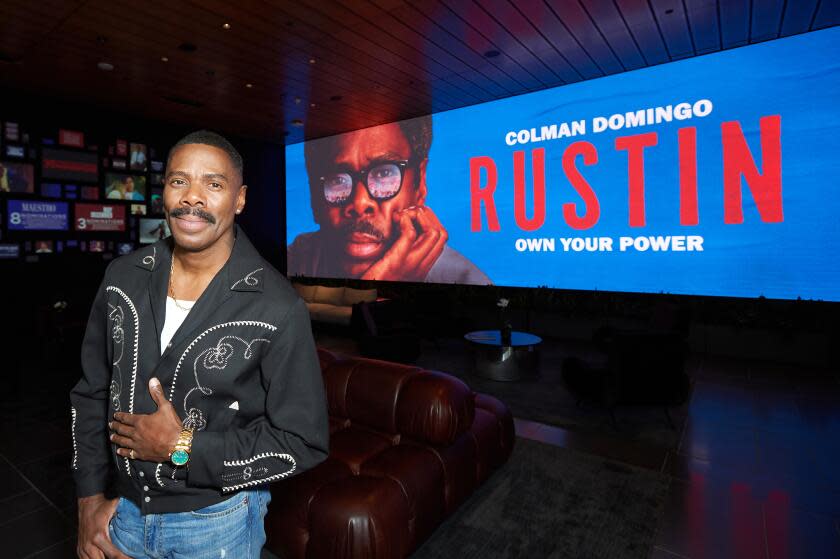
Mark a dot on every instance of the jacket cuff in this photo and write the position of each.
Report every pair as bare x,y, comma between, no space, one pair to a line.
205,466
87,485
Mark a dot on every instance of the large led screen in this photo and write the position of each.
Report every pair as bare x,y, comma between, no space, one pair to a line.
716,175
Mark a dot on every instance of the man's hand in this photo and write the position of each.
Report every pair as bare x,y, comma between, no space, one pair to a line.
151,437
412,256
95,514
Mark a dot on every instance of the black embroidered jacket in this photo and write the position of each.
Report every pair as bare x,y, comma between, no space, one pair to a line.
242,370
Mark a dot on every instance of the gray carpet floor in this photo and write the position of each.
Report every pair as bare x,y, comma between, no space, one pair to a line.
551,502
545,398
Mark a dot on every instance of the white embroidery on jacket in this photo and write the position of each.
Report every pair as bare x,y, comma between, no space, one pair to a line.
248,279
117,315
73,434
248,472
150,258
214,357
136,318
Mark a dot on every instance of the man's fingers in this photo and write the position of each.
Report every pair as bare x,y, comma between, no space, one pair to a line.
112,552
103,542
122,429
127,418
429,244
156,390
89,551
432,256
120,440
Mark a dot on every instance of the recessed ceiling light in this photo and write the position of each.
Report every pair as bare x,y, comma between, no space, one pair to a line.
249,85
105,66
225,26
164,59
297,122
312,61
492,53
297,100
312,105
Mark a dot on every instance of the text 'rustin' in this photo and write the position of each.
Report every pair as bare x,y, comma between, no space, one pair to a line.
765,185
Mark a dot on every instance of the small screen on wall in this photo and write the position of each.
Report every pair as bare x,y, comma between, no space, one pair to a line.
90,193
100,217
137,159
157,202
152,230
37,215
43,247
9,251
17,177
119,186
50,190
68,164
15,151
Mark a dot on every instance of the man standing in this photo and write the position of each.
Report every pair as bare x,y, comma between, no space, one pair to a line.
234,400
368,192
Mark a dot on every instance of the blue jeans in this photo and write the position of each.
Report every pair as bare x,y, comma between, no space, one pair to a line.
232,529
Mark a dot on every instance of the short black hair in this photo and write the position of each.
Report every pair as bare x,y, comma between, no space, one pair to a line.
418,132
210,138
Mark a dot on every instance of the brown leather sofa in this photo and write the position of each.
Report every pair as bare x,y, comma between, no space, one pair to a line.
407,447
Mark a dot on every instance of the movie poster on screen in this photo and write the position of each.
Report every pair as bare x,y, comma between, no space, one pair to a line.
37,215
100,217
714,175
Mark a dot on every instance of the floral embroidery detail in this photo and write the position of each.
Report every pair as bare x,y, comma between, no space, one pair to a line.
215,357
249,281
218,357
195,420
149,260
117,314
115,395
247,473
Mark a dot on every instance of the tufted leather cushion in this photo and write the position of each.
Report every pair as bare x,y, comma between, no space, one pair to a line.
407,447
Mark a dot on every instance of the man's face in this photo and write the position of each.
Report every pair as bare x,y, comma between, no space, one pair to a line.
129,184
201,196
362,228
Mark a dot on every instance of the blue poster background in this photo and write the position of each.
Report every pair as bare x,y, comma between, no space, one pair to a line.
797,78
38,215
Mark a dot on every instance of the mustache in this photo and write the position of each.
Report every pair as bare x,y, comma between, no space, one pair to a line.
197,212
364,227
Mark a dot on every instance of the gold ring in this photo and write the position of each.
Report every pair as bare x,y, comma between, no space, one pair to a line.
131,454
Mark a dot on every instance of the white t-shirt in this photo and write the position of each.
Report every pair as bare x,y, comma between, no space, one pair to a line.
174,318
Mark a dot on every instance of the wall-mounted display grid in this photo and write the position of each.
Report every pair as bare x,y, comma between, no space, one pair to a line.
68,190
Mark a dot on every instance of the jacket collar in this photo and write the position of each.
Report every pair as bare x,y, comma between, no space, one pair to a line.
243,272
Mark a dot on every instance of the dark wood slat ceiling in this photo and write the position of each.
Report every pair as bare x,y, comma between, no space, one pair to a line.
320,67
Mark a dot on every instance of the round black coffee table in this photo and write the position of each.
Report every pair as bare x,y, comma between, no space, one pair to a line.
510,361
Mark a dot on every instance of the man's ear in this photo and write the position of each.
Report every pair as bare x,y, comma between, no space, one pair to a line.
240,198
421,184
